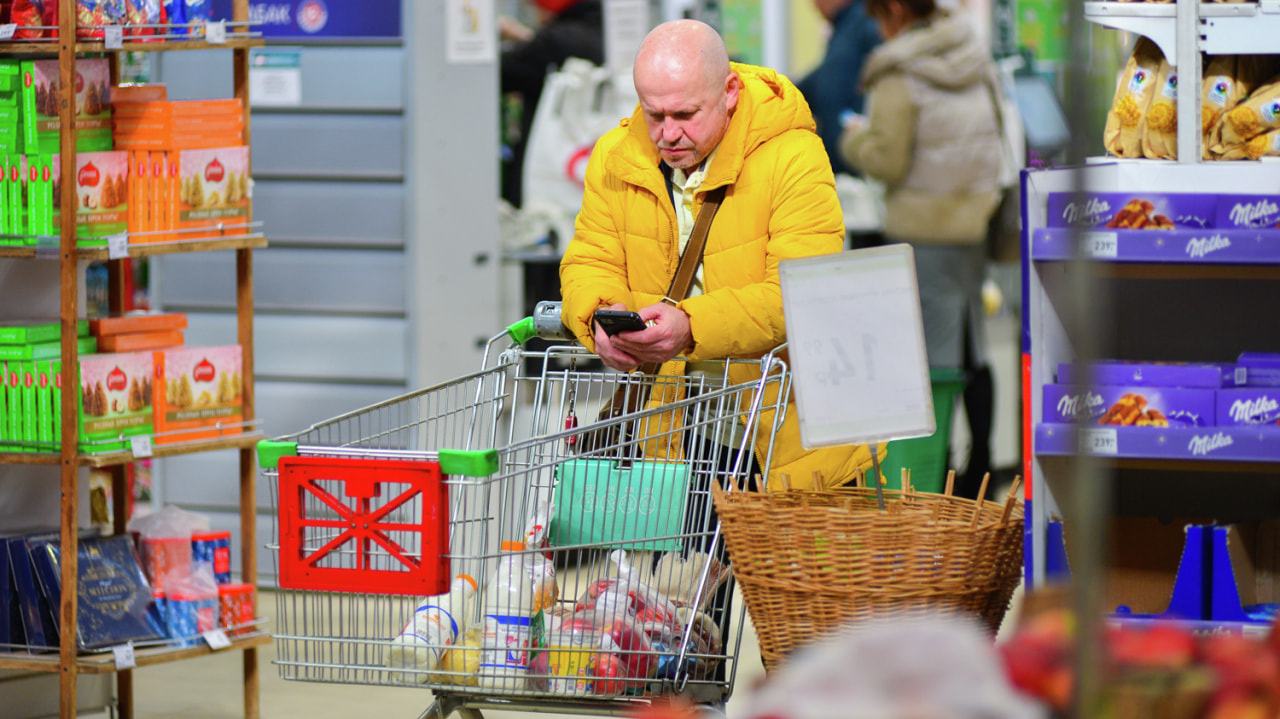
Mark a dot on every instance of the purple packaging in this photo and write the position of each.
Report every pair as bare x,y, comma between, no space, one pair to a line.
1132,211
1129,406
1264,368
1204,375
1248,211
1249,406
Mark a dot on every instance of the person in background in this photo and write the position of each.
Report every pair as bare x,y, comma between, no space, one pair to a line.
571,28
933,138
832,88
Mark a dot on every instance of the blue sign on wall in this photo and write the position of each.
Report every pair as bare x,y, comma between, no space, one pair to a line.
320,19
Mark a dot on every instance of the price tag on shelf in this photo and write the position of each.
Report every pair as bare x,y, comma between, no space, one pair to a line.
1099,441
118,246
217,639
7,30
124,657
113,37
141,446
1101,245
216,32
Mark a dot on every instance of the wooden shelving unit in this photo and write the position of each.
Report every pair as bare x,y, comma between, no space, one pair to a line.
68,663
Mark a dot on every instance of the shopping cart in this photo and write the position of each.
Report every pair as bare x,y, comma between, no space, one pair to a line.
381,507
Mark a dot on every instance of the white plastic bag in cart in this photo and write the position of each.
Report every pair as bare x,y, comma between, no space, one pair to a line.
626,595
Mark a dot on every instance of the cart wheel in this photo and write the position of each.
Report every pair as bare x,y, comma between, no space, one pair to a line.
437,711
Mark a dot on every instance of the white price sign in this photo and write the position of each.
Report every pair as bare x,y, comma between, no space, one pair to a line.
124,657
7,30
1099,441
857,346
1101,245
141,446
216,32
217,639
118,246
113,37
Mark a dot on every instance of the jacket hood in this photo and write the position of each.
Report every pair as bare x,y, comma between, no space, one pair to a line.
943,51
768,105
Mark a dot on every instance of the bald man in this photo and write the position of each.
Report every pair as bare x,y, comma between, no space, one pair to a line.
704,123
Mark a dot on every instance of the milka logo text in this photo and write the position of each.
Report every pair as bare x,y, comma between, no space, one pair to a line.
1255,214
1253,410
1203,445
1091,210
1082,404
1201,246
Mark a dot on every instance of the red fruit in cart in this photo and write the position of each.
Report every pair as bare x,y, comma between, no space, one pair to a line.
1038,665
1239,706
606,668
1243,666
637,662
1162,646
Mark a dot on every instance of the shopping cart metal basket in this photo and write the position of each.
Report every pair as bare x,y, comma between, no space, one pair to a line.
381,507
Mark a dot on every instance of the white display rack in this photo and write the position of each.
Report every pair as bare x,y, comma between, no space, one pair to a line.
1247,28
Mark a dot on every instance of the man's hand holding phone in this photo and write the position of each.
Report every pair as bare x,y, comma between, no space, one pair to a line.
666,334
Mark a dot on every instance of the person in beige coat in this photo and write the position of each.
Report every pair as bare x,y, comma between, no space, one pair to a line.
932,136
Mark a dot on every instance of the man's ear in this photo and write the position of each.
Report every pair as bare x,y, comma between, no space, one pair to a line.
732,84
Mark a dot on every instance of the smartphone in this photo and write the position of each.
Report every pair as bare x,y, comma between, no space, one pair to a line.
615,321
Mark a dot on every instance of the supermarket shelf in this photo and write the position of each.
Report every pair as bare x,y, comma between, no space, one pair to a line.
254,241
1226,28
1200,628
105,663
240,441
1188,448
50,47
1188,247
108,459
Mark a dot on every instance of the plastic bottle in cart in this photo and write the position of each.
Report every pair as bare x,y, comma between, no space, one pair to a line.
435,625
508,610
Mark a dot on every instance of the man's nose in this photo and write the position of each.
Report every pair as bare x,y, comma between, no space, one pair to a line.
670,130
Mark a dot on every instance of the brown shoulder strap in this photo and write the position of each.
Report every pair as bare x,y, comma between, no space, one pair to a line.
692,255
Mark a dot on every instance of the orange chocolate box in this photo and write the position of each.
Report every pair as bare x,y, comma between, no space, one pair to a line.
138,341
198,393
179,108
131,324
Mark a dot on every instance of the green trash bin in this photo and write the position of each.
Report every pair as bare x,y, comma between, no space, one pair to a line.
926,457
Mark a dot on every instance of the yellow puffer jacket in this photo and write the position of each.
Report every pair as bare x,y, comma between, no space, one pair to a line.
780,204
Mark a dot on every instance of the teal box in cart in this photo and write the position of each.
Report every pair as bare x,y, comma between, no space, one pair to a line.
605,503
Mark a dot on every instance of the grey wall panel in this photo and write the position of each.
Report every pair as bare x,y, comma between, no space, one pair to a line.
347,77
357,349
328,146
331,213
370,281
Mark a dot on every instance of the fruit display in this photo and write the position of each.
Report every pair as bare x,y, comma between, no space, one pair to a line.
1159,669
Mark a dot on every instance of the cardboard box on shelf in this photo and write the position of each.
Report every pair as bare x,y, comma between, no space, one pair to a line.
198,388
1137,211
1208,375
21,332
102,197
138,341
115,400
143,322
41,124
211,190
13,398
1129,406
139,92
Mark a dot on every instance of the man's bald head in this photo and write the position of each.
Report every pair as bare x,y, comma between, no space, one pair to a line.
683,49
687,90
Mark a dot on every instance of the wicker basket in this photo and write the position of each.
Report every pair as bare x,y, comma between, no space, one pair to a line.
810,561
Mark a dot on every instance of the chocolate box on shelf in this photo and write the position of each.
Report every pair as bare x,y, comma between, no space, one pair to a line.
1129,406
1248,211
1249,405
1207,375
1132,210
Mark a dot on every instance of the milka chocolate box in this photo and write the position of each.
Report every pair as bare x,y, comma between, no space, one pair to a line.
1132,210
1250,405
1129,406
1206,375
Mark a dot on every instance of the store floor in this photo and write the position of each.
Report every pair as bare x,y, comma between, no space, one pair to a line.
208,688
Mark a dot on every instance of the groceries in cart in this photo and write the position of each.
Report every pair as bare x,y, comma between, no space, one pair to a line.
435,625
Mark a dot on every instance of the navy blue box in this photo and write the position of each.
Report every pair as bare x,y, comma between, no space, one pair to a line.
31,602
114,601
